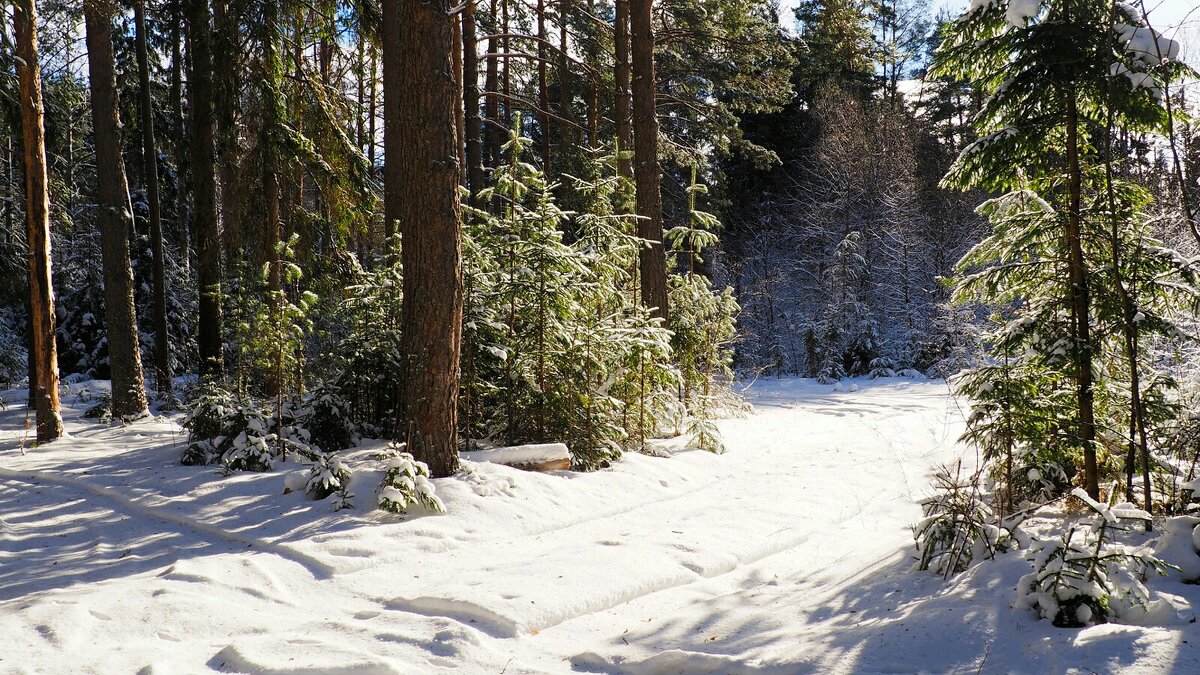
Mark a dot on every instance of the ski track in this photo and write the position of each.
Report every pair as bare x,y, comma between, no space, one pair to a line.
683,555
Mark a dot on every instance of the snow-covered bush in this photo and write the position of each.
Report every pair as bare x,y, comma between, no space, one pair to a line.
101,410
328,475
1078,577
233,430
406,482
959,525
326,417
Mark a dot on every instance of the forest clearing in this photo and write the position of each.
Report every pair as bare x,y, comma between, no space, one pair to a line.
609,336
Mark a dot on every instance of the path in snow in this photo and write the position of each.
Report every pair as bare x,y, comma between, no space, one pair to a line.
788,554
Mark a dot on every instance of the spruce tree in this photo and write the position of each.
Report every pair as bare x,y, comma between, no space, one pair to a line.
1056,73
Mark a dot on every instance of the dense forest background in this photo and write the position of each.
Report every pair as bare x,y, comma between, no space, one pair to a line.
800,227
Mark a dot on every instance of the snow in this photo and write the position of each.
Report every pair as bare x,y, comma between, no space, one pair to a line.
1019,11
790,553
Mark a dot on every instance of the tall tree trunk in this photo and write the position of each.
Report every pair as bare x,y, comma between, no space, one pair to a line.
460,115
623,103
1080,306
392,37
652,259
422,192
178,131
374,114
269,144
225,60
44,353
162,344
506,71
565,131
491,103
543,96
474,127
271,98
204,190
116,216
360,73
593,78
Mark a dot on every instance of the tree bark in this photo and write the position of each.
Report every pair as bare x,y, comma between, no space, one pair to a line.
374,111
460,115
593,78
162,339
623,103
179,134
226,56
543,96
1080,306
116,216
392,53
44,353
491,103
474,127
204,191
269,141
652,259
422,161
566,132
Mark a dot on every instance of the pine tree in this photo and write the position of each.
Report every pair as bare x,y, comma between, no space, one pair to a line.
422,197
116,217
43,378
1055,72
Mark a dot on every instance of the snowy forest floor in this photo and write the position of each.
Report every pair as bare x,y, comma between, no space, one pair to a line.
789,554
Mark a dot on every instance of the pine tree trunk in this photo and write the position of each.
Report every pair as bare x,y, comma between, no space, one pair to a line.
225,60
460,115
204,190
392,37
652,259
269,142
180,140
162,339
623,103
505,72
593,101
566,132
116,217
374,111
421,95
543,96
43,353
474,127
491,104
1080,306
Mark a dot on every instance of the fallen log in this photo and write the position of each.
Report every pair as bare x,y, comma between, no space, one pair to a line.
535,457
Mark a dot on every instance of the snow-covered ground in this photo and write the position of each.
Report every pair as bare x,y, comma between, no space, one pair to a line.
789,554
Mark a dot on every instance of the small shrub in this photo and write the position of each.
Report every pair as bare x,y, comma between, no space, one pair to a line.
235,431
325,415
882,367
328,475
1077,577
101,411
959,525
406,482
